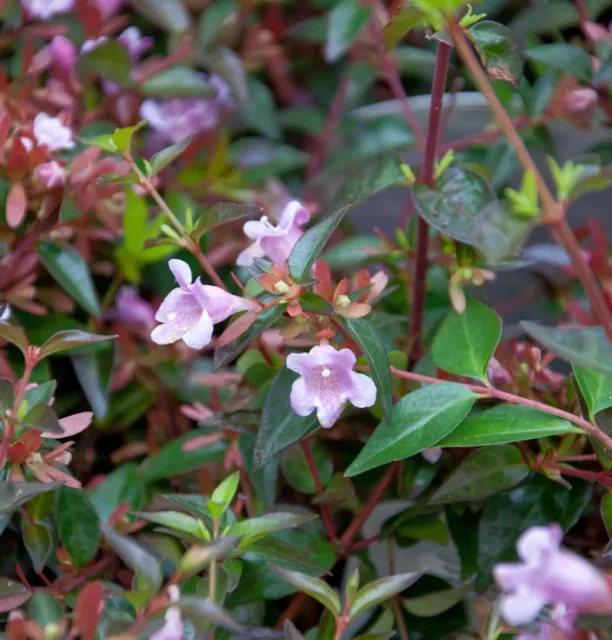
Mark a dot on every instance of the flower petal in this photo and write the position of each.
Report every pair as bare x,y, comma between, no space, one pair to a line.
71,425
363,393
329,411
245,258
521,607
537,542
294,213
181,272
200,334
165,334
301,400
219,304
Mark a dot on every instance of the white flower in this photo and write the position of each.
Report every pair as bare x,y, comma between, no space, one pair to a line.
52,133
45,9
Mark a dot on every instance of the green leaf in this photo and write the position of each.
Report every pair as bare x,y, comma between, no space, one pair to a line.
314,587
606,512
71,272
260,112
504,424
168,155
78,525
226,491
498,50
212,21
110,60
596,389
43,418
38,541
137,558
585,346
14,335
65,340
15,494
406,19
546,18
280,425
177,521
463,528
227,63
382,590
295,467
466,341
118,487
174,459
482,474
221,213
170,15
273,548
103,141
198,557
256,528
7,395
93,371
433,604
123,137
44,609
314,303
309,246
12,594
566,57
420,420
202,612
346,21
373,347
178,82
69,209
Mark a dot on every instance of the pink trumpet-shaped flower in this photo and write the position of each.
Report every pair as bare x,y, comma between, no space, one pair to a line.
64,54
275,241
52,133
131,310
51,174
173,624
189,312
327,381
546,574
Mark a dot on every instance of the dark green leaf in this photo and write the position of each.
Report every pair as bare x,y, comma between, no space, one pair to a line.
504,424
71,272
261,112
295,467
119,486
463,528
466,341
177,458
603,75
7,395
256,528
64,340
44,609
178,82
39,543
596,390
198,557
14,335
406,19
382,590
314,587
546,18
227,63
482,474
280,425
15,494
221,213
212,21
420,420
373,347
137,558
346,21
170,15
42,393
585,346
43,418
168,155
309,246
93,371
110,60
314,303
12,595
433,604
606,512
78,526
69,209
566,57
272,548
499,51
202,612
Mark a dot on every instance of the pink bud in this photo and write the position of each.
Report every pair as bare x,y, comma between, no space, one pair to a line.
51,174
64,54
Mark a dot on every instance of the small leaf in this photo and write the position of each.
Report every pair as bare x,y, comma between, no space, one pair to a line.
45,609
314,587
255,528
170,15
212,21
596,390
346,21
69,209
7,395
585,346
42,418
406,19
221,213
280,425
39,543
93,371
498,50
381,590
110,60
434,604
295,466
168,155
12,595
16,205
175,520
419,421
226,491
504,424
483,474
70,270
15,494
466,341
14,335
566,57
199,556
313,303
373,347
123,137
201,612
137,558
178,82
261,112
78,526
103,141
309,246
65,340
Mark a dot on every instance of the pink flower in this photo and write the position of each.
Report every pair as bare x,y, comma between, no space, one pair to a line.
90,45
432,455
52,132
580,100
327,381
546,575
596,31
134,42
108,7
496,374
173,625
131,309
275,242
51,174
189,312
64,54
45,9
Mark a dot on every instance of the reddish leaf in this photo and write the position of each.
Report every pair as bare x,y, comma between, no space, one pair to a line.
87,609
18,159
237,328
12,594
16,205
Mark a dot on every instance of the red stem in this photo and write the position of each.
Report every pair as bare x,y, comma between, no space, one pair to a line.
427,178
591,476
355,527
328,521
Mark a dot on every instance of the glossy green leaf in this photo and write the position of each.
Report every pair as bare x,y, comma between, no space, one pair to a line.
463,528
7,395
178,82
170,15
15,494
375,351
71,272
567,57
406,19
227,63
226,491
419,421
314,303
39,543
44,609
177,457
123,137
212,21
346,21
14,335
198,557
177,521
434,604
295,467
222,213
261,113
606,512
382,590
137,558
42,393
585,346
202,612
78,525
504,424
168,155
65,340
314,587
103,141
120,486
306,560
499,51
482,474
110,60
255,528
12,594
280,425
427,527
93,371
43,418
309,246
596,389
466,341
